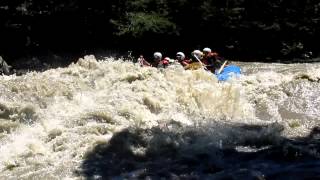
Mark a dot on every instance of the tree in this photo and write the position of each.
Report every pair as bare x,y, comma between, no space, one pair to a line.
139,20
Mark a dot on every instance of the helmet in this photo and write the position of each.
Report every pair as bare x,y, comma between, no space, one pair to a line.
157,55
197,53
207,50
181,54
168,60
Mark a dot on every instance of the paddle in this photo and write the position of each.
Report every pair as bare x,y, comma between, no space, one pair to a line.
200,62
223,65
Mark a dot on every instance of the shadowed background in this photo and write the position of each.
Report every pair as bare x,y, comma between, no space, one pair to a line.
247,30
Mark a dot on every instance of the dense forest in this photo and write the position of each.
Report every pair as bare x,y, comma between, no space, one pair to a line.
241,29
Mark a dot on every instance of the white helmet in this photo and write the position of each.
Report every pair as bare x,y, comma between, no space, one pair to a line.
181,54
157,55
167,58
197,53
207,50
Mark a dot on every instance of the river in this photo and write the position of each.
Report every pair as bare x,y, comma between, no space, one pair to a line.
109,119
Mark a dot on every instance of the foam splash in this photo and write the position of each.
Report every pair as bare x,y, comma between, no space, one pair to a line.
51,120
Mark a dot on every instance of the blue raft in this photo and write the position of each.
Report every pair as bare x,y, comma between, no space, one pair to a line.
228,72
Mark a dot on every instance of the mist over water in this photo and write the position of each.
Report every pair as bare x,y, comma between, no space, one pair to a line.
106,118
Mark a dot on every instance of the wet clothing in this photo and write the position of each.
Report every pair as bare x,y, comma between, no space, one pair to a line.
143,62
4,67
193,66
212,61
162,64
195,59
185,62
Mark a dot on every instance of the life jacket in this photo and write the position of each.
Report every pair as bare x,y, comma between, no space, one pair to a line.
212,61
162,64
209,58
193,66
185,62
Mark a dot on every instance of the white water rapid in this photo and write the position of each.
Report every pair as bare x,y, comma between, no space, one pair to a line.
57,124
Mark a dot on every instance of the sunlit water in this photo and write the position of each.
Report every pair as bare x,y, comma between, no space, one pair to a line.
100,119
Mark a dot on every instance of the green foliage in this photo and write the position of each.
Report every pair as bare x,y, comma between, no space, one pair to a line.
283,28
140,23
143,17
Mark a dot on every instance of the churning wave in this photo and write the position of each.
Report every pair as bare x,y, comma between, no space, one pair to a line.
100,119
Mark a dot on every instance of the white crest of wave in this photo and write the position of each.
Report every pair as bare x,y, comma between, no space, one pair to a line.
77,107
